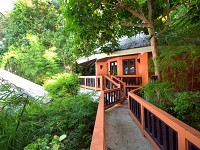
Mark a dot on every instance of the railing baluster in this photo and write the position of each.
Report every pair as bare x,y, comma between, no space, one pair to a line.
159,133
153,126
165,137
192,146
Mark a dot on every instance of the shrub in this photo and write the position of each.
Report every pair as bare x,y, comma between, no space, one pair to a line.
187,108
35,125
62,84
159,93
183,105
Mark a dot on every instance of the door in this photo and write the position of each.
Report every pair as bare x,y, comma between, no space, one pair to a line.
113,68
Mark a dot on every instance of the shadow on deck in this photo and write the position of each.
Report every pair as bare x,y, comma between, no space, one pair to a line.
122,133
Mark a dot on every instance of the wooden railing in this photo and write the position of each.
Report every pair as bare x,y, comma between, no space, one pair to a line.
109,83
98,138
91,82
122,87
164,131
108,98
111,97
130,79
129,83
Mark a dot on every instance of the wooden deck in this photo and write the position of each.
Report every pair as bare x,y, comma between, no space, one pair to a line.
122,133
115,130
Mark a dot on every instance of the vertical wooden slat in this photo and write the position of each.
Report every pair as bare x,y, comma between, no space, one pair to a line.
165,137
142,119
171,139
153,125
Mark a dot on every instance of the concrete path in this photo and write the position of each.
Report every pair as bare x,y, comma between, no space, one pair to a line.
122,133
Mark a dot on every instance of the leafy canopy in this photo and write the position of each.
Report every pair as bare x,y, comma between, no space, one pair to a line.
94,23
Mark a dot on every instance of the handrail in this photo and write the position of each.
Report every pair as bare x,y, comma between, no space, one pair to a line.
113,82
92,82
186,135
130,79
114,77
122,87
98,138
128,75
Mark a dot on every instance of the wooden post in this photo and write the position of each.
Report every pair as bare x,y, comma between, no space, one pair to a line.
182,140
95,83
85,82
101,83
142,118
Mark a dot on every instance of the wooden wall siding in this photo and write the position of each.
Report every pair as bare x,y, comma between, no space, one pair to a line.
101,70
163,131
141,67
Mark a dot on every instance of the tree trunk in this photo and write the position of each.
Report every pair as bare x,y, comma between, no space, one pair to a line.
155,52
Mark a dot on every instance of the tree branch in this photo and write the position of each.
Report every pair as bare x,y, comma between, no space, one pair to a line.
139,7
149,10
133,24
167,21
122,5
113,5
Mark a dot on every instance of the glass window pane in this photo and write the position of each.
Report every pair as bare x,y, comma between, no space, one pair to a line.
125,66
113,68
129,66
132,67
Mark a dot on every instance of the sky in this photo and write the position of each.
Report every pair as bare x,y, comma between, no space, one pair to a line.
6,5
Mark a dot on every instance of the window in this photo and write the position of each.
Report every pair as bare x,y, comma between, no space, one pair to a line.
129,66
113,68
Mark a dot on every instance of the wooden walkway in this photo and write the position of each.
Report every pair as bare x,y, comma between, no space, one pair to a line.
122,133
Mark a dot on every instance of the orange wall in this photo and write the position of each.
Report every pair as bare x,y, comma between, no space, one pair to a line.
141,68
103,70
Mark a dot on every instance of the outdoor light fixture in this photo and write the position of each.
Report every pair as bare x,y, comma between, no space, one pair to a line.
138,60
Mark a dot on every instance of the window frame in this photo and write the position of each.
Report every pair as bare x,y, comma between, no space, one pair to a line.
112,68
129,66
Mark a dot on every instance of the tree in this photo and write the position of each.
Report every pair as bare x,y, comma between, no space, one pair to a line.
2,25
36,45
93,23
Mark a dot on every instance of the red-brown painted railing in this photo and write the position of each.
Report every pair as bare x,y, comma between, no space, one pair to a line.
92,82
111,97
122,86
128,82
130,79
108,98
98,138
164,131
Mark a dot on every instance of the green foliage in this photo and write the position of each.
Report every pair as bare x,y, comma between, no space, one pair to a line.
94,23
36,45
30,123
159,93
187,108
62,85
183,105
32,62
46,144
2,26
179,58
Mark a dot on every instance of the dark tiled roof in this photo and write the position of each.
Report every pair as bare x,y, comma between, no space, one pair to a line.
140,40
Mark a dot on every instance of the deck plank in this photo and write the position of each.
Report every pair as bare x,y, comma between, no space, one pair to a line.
122,133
